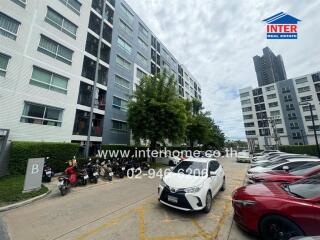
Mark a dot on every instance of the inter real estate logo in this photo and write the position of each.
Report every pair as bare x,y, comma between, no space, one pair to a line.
282,26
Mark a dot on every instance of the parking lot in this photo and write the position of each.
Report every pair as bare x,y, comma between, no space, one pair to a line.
126,209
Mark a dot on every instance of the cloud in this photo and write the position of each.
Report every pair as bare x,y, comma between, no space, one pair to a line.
216,40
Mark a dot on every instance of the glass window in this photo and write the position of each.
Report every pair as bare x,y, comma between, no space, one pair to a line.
119,103
306,188
92,44
95,23
303,89
89,69
306,98
125,27
61,23
21,3
140,74
247,101
55,50
48,80
273,104
124,45
74,5
301,80
191,168
127,13
8,26
271,96
119,126
142,44
123,63
142,59
247,109
122,83
143,30
245,117
246,94
107,33
41,114
270,88
4,60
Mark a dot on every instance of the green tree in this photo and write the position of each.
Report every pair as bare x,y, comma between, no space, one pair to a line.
156,113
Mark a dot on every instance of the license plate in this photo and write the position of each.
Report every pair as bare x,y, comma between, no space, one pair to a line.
123,168
111,174
172,199
95,174
86,177
48,172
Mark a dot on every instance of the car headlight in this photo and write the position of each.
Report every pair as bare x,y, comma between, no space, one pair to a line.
162,183
193,189
244,203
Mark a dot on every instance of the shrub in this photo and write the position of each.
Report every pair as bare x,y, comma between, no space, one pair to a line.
58,154
300,149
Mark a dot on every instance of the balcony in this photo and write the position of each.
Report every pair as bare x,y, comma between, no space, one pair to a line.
81,124
85,96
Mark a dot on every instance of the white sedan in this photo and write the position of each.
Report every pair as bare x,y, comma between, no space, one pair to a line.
192,184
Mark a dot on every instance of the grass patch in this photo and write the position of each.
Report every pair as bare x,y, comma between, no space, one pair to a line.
11,190
157,165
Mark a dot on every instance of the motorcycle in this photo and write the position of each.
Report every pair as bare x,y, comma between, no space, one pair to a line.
82,177
105,170
118,168
64,185
47,172
92,170
132,167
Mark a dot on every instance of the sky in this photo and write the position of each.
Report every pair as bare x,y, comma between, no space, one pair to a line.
216,40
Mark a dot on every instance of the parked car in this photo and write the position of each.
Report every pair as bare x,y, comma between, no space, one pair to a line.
244,156
265,152
276,158
265,156
296,174
170,161
279,211
283,164
192,184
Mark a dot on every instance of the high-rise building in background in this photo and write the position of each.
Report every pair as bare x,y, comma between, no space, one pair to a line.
54,53
269,68
273,114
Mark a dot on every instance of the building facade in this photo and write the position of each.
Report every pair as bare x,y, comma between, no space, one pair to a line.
274,115
64,62
269,68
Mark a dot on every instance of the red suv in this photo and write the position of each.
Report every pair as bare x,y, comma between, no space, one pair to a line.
304,171
279,211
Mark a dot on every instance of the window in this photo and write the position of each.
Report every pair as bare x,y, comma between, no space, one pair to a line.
273,104
140,74
21,3
264,132
61,23
280,130
123,63
306,98
55,50
142,44
8,26
119,126
294,125
317,127
260,107
275,113
278,121
74,5
142,59
41,114
316,77
307,108
292,116
290,107
317,87
124,45
92,48
95,23
261,115
301,80
123,83
257,91
258,99
126,28
4,60
247,109
250,124
296,135
303,89
126,11
119,103
48,80
252,132
270,88
263,124
271,96
286,89
287,98
246,117
143,30
98,6
213,166
89,70
247,101
308,118
246,94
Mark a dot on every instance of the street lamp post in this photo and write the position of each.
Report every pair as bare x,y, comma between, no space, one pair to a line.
313,125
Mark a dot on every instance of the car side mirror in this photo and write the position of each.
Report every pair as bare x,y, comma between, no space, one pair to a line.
285,168
212,174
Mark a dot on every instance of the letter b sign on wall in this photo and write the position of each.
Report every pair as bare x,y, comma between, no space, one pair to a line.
33,176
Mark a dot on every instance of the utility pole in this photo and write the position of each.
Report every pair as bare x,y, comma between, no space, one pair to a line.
95,80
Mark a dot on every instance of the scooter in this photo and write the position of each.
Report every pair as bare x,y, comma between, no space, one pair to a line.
64,185
118,168
132,167
82,177
92,170
47,172
105,170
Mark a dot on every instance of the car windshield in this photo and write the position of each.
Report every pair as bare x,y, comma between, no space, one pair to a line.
306,168
305,188
273,163
191,168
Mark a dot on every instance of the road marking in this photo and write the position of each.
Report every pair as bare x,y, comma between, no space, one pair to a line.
226,212
201,231
140,212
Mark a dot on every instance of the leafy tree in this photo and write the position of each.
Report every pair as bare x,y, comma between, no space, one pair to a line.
156,113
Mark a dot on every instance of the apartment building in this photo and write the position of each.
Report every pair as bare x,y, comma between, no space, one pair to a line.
56,56
273,114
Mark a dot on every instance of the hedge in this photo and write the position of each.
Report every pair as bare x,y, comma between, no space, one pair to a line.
300,149
58,153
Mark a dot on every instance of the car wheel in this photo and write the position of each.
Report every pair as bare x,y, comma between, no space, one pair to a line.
275,227
207,208
223,187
